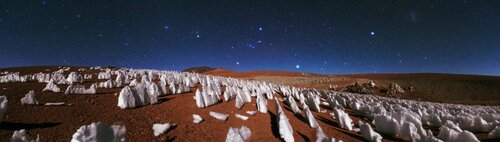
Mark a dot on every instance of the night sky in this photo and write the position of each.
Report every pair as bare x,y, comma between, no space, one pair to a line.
321,36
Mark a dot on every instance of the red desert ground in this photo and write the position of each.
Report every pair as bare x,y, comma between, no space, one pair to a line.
50,103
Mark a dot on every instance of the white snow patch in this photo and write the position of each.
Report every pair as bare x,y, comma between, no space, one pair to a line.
74,77
321,136
22,136
285,129
368,133
387,125
55,104
495,133
238,135
204,98
467,136
252,113
159,129
242,117
100,132
197,118
310,117
3,106
126,99
261,103
29,99
80,89
343,119
51,87
220,116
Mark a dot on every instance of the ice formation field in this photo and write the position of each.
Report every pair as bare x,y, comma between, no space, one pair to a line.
119,104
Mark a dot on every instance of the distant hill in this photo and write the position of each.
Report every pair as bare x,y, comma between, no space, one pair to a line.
200,69
250,74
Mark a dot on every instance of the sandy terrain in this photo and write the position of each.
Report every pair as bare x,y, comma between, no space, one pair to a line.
58,123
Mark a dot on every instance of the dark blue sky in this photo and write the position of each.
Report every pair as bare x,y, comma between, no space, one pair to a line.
324,36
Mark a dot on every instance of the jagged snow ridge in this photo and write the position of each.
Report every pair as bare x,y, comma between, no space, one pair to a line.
229,93
159,129
343,119
3,106
22,136
74,77
368,133
386,125
183,89
409,132
285,129
310,118
205,98
321,136
87,76
468,117
261,104
51,87
80,89
495,133
467,136
100,132
126,99
428,137
239,101
292,104
136,96
108,84
313,102
104,75
29,99
238,135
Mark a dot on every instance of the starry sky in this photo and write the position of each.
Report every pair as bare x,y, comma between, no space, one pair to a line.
321,36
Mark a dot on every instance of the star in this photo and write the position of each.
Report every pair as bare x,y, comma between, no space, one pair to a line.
249,45
237,63
166,27
372,33
197,36
260,28
297,66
